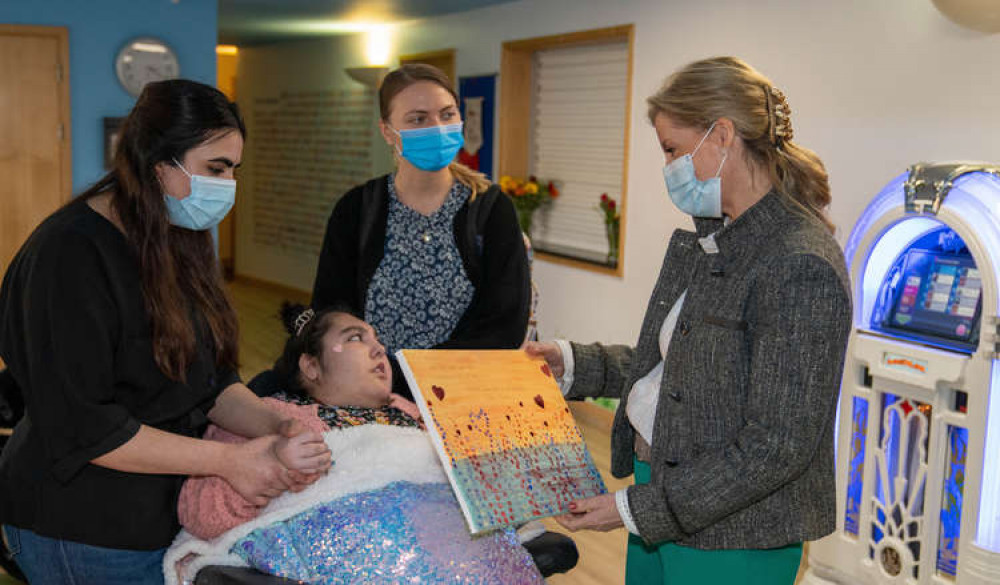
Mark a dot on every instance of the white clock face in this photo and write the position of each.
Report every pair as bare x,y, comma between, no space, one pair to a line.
143,60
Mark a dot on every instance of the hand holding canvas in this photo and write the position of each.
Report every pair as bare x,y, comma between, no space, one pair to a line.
596,513
548,351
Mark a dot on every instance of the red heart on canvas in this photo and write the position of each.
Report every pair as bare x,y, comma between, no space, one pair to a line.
539,401
438,391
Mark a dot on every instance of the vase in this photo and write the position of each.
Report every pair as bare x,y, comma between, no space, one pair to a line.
612,227
524,220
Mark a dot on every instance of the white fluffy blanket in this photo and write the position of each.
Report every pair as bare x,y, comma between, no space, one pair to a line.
366,457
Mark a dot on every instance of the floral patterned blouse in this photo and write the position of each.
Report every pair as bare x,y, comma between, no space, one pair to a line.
338,417
420,290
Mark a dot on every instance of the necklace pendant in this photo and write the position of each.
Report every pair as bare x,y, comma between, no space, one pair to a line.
426,237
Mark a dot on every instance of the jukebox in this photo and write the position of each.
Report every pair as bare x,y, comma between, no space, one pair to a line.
918,433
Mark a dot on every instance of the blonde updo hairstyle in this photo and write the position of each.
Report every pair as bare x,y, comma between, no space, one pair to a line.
406,75
727,87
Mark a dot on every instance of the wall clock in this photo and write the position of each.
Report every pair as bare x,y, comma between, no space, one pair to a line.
145,59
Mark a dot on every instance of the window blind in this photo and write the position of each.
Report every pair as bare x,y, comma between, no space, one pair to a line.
578,140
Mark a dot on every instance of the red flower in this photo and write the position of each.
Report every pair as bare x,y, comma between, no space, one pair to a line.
604,196
533,179
552,189
611,205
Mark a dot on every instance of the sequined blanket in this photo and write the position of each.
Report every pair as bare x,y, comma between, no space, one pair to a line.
384,514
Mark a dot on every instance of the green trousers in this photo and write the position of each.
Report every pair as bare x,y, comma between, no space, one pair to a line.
671,564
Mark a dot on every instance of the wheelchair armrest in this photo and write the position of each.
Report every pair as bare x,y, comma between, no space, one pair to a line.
218,575
553,553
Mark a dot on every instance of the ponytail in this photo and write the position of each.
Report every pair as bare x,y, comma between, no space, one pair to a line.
799,176
474,180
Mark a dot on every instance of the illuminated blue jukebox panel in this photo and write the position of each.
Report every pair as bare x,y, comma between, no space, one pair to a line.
918,434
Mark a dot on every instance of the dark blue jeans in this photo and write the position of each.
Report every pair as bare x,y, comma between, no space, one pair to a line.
50,561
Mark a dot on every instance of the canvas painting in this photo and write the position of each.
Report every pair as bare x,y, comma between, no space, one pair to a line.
503,431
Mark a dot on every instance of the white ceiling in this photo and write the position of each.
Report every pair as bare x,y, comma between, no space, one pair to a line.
249,22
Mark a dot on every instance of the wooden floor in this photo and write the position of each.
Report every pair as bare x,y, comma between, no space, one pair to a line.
602,555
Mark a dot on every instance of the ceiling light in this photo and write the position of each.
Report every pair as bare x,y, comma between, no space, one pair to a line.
378,45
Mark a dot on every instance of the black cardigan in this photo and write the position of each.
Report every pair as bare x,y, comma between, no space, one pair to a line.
488,239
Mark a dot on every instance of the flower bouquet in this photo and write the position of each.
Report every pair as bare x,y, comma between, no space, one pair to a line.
612,225
527,197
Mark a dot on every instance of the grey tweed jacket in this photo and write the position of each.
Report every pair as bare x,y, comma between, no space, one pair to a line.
742,453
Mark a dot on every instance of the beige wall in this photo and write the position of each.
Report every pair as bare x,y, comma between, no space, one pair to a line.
266,72
873,85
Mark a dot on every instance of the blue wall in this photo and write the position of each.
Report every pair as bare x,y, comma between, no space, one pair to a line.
97,30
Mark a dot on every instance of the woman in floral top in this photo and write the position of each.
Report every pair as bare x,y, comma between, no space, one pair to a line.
432,254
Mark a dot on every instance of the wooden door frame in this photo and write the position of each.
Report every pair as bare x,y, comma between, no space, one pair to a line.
448,54
61,34
228,269
516,70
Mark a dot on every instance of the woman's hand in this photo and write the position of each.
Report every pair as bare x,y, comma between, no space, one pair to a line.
254,471
293,449
597,513
304,452
550,352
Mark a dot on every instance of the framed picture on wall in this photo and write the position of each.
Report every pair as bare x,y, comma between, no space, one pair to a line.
112,127
477,97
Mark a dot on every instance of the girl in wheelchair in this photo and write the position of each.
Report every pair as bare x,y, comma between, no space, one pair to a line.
384,513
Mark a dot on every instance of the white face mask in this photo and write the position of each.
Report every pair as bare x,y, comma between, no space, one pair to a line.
210,200
694,197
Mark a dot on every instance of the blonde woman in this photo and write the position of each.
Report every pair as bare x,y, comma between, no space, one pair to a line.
728,397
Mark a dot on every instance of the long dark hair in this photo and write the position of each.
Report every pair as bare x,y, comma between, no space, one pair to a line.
306,329
179,271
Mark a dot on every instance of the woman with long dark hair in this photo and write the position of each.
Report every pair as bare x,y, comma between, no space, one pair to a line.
116,329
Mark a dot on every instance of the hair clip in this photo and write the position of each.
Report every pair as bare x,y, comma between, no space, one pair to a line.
302,320
780,116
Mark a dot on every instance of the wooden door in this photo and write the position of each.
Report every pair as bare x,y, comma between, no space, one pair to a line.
35,176
226,71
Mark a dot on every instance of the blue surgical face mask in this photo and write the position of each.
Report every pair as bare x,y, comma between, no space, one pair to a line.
210,200
432,148
690,195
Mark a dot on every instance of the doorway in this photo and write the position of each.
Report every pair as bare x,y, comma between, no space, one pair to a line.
35,155
227,63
